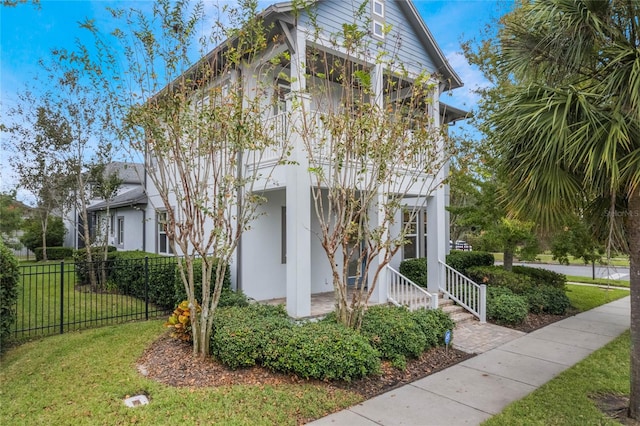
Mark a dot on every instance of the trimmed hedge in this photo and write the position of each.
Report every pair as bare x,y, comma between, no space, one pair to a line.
497,276
548,299
461,261
321,350
241,334
181,293
415,270
507,309
394,333
127,275
82,267
542,277
54,253
9,279
433,323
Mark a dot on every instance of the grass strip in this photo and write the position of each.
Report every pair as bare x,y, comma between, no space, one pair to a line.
565,400
597,281
584,298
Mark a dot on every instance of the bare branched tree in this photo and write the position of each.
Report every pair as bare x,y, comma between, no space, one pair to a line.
204,128
372,142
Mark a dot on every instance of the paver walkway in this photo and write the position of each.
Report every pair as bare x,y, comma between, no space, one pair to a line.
480,387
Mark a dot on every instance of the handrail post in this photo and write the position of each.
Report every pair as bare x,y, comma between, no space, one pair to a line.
483,303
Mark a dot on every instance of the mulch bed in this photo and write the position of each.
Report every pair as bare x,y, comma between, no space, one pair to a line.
170,361
536,321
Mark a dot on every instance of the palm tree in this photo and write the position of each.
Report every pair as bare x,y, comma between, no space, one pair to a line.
568,128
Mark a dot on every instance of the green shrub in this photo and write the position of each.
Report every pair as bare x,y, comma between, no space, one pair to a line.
548,299
496,290
54,253
9,280
393,332
180,292
461,261
82,267
497,276
240,334
32,233
507,309
415,270
542,277
321,350
229,297
433,323
127,275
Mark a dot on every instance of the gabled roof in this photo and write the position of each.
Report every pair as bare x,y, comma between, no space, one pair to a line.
134,197
129,173
449,76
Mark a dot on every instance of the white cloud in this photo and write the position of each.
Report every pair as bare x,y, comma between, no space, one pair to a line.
466,97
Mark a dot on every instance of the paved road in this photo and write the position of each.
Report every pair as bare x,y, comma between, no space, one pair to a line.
612,272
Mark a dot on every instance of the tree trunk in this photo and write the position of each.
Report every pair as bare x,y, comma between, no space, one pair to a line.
633,236
44,242
508,259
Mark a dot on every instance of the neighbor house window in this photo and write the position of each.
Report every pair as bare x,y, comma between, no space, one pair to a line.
377,18
163,245
120,240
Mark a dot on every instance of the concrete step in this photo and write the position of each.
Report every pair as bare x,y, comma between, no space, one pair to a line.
457,313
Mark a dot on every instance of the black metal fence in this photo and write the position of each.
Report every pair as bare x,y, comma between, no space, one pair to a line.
68,296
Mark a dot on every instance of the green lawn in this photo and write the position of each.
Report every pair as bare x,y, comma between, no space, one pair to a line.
584,297
565,399
42,288
81,378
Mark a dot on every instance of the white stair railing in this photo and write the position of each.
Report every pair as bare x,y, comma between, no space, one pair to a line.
404,292
464,292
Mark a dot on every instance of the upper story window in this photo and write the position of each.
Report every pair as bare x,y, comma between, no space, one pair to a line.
281,91
378,8
377,18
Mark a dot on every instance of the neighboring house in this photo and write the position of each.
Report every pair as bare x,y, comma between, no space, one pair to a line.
280,257
125,224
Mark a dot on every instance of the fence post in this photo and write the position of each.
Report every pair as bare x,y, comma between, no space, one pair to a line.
146,287
62,297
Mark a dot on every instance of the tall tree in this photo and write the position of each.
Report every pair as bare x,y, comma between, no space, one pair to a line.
373,142
201,127
569,130
11,212
37,137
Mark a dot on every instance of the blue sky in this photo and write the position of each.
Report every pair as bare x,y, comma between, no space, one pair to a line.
28,34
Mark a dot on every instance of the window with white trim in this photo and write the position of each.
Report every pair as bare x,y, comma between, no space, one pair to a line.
378,8
416,234
163,244
120,239
377,18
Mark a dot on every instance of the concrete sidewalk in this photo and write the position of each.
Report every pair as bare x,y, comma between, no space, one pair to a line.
476,389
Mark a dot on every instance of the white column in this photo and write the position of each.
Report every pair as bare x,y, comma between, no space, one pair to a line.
381,291
298,196
437,223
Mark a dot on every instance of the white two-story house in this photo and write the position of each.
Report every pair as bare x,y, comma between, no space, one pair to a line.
281,255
